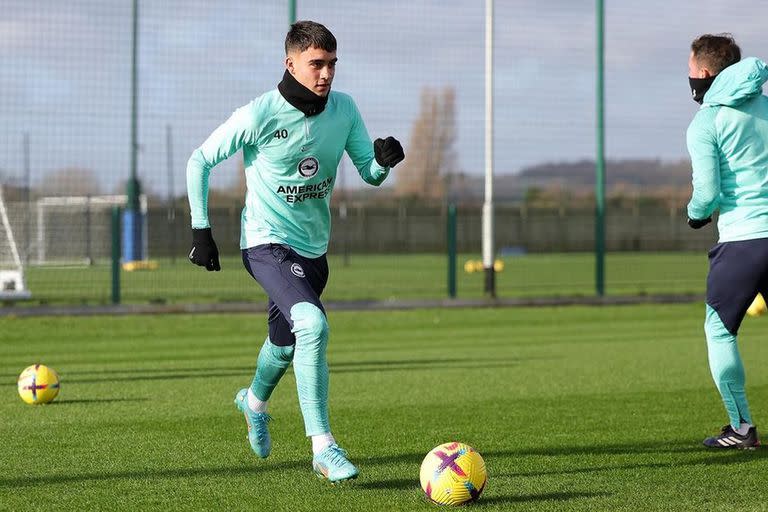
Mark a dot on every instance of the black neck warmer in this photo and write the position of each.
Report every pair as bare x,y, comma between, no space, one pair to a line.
301,97
699,87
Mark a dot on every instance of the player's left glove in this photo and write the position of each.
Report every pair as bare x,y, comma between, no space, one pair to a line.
388,152
699,223
204,251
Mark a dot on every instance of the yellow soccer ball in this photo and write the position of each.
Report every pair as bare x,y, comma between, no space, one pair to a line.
453,474
38,384
758,307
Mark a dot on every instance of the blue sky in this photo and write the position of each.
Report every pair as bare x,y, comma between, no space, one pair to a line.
65,76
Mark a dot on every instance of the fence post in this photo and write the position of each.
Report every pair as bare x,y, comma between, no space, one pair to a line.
451,238
116,255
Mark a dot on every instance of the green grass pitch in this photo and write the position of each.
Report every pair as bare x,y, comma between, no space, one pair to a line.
382,277
573,408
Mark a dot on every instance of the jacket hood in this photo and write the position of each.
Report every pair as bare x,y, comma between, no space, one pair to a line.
737,83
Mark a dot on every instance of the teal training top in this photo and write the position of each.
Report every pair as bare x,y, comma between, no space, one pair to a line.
728,144
290,168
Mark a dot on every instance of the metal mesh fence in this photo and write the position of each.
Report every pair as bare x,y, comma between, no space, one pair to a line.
65,125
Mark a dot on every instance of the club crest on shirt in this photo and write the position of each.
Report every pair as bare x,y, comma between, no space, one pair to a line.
297,270
308,167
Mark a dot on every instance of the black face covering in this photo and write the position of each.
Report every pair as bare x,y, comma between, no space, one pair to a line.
301,97
699,87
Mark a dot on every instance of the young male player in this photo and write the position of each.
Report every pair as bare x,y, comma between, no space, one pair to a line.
292,140
728,144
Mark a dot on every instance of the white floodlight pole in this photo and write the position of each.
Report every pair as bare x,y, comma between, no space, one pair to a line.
488,250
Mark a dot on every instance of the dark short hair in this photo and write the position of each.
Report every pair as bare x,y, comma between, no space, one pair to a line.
716,52
308,34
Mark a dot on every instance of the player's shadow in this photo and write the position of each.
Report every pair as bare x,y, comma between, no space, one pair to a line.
164,371
140,374
398,484
409,484
547,496
698,455
116,377
723,459
153,474
151,374
96,401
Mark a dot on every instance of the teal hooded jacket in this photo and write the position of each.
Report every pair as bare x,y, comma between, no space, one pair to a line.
728,144
290,168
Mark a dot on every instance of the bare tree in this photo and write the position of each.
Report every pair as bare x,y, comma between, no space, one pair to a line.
431,158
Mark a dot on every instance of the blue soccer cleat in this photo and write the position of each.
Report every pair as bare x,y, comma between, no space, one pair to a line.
258,433
730,439
332,463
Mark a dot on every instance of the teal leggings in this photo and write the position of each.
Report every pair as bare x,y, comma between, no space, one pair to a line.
727,368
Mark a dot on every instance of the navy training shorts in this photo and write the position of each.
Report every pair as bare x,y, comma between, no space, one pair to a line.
737,272
288,278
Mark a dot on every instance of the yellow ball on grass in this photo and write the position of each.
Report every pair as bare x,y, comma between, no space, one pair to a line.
38,384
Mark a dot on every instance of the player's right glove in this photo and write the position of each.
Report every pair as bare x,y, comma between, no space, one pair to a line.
388,152
204,251
699,223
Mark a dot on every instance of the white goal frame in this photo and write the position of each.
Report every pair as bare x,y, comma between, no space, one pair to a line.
86,202
12,286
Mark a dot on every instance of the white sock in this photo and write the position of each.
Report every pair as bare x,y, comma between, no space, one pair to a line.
743,429
254,403
321,442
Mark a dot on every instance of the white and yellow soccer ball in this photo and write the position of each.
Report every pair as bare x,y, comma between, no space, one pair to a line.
38,384
758,306
453,474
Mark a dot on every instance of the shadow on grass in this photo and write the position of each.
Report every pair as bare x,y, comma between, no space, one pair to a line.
96,400
698,456
150,374
441,364
118,370
711,458
411,484
662,446
154,474
549,496
141,375
671,446
400,484
626,467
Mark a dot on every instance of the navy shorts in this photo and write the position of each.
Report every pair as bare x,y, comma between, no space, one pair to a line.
288,278
737,272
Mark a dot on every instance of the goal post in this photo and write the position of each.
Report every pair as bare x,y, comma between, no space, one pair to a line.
76,230
12,285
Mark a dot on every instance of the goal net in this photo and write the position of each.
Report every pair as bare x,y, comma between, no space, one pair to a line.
76,230
11,269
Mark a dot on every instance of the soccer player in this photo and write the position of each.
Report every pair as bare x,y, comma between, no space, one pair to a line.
728,144
292,139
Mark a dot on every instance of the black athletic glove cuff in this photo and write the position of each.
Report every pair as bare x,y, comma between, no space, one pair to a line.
204,252
388,152
202,236
699,223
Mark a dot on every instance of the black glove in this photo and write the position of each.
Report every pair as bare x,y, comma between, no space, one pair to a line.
204,251
699,223
388,152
